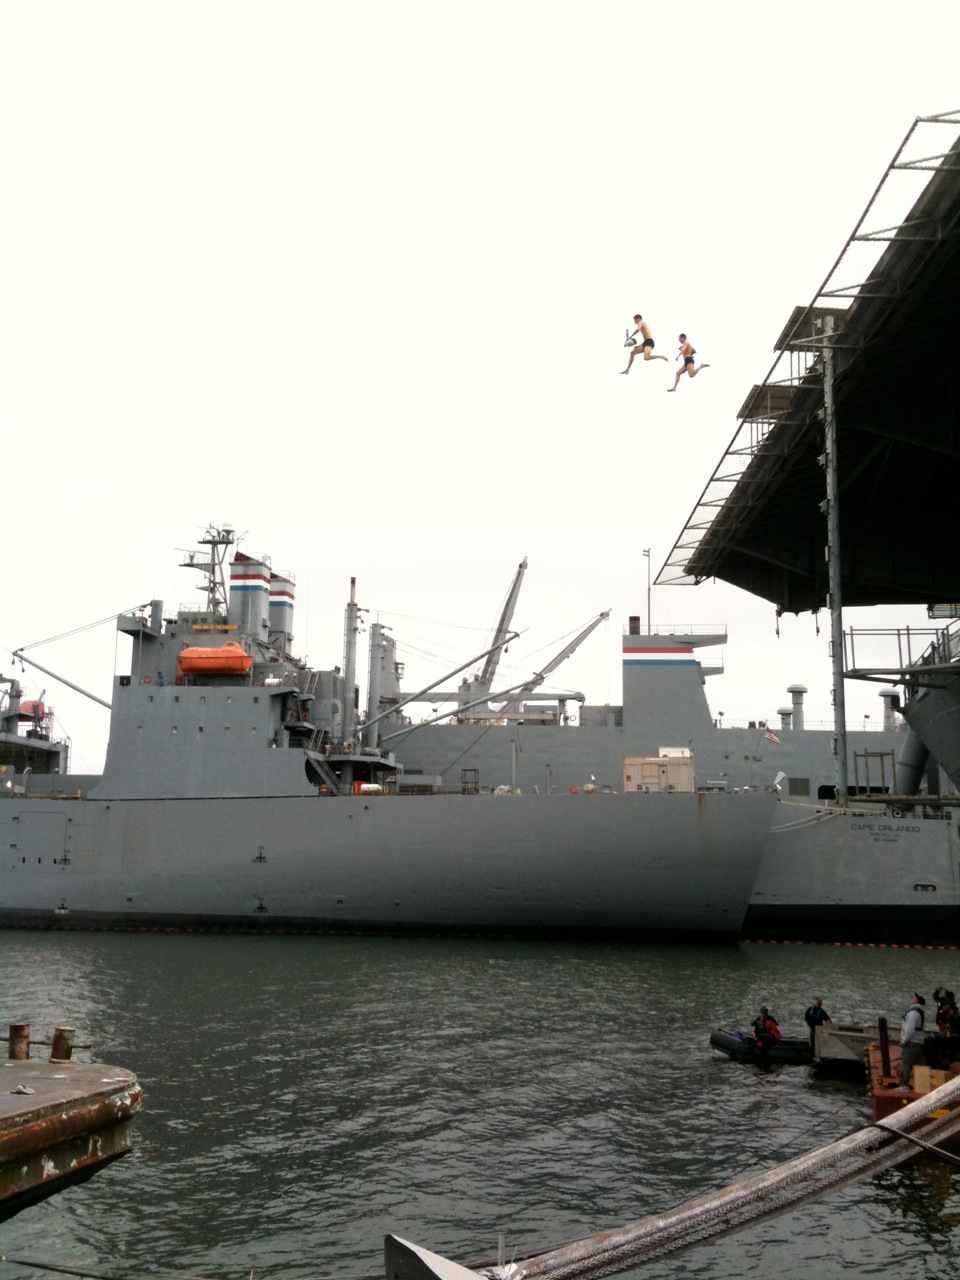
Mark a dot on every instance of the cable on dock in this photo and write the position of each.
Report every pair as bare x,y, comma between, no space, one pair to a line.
919,1142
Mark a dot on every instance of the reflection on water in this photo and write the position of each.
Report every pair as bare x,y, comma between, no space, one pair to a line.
304,1096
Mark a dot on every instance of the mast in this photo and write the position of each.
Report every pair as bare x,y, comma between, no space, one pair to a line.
218,540
373,686
351,628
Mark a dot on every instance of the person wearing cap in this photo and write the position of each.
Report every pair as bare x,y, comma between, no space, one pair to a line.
911,1040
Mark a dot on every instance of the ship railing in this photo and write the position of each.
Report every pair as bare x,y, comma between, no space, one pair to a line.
863,724
681,629
918,651
193,611
921,807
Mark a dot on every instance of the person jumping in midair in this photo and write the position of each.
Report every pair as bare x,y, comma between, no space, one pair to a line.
687,352
646,346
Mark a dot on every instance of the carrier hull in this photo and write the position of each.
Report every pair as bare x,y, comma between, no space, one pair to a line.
636,864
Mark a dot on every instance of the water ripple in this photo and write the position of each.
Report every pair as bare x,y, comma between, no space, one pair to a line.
305,1096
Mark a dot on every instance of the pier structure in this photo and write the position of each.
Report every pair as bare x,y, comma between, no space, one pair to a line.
60,1121
838,486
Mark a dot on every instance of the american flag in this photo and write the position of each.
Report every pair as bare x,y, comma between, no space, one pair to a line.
771,736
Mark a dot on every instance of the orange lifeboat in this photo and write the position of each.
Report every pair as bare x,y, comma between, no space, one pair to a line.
33,711
228,659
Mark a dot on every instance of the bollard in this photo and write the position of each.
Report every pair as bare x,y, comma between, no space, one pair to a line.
884,1046
62,1044
19,1040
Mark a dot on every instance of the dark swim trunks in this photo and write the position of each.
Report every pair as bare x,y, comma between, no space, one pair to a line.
687,360
647,342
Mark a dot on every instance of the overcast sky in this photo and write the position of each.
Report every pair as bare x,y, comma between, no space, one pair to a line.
356,279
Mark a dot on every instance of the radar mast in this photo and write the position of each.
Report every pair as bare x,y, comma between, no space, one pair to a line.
219,539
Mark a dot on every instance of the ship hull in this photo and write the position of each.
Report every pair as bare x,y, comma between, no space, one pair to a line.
660,865
857,874
825,873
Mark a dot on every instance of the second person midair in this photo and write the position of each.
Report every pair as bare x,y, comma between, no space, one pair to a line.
687,353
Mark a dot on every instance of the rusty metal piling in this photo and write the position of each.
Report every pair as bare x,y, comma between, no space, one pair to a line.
62,1044
884,1046
19,1041
61,1049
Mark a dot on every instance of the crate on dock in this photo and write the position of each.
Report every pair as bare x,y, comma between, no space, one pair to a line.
926,1079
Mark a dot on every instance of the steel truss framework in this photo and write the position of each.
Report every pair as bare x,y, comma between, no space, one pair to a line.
894,334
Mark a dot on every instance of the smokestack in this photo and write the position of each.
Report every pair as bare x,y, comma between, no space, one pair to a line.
250,594
891,705
797,691
281,611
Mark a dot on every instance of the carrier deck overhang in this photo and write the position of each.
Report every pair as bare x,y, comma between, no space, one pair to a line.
891,300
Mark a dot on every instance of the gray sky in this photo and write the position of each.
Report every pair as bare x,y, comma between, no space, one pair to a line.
356,279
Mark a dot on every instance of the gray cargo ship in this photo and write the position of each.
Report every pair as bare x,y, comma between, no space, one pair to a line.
886,860
242,789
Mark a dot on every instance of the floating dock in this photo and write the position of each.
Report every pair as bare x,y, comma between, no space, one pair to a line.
888,1100
60,1121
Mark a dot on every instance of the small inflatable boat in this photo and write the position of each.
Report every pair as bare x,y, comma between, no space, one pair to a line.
743,1048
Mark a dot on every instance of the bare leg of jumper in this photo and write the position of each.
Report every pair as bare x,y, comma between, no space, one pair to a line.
688,368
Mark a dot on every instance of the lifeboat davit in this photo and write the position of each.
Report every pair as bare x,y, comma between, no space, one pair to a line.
228,659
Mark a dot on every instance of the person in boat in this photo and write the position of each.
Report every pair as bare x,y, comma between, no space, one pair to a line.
646,347
945,1049
687,354
946,1006
816,1015
912,1051
766,1032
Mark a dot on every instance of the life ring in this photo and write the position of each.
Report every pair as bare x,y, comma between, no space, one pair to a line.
573,789
896,813
147,680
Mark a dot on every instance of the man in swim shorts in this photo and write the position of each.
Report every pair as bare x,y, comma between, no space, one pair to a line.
686,354
646,346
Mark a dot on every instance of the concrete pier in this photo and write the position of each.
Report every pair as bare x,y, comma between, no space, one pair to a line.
60,1121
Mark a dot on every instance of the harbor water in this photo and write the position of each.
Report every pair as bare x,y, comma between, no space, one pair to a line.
303,1096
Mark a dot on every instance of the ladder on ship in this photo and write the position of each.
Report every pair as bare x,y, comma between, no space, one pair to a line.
309,685
314,754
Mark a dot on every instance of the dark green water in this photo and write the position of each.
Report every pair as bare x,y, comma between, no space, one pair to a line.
304,1096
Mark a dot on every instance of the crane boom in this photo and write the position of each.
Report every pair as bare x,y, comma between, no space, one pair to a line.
503,627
